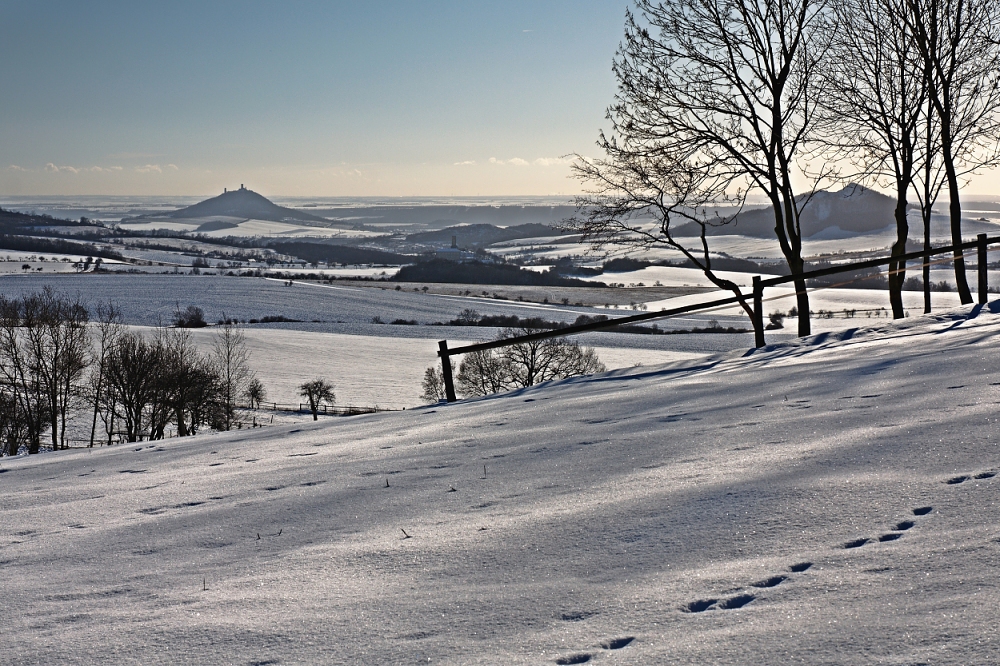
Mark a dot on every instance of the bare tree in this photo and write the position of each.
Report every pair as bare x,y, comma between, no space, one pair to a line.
524,364
189,383
714,96
634,201
61,344
959,43
109,329
483,372
255,393
433,385
132,383
316,393
876,98
43,355
13,425
232,361
929,179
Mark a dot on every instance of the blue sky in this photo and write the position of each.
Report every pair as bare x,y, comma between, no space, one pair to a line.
302,98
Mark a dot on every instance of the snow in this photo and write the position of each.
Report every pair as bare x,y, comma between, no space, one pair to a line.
609,507
245,228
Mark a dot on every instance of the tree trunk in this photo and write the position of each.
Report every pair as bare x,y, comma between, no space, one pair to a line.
955,211
927,259
181,425
897,267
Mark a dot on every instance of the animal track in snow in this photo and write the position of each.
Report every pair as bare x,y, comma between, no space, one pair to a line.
700,606
773,581
904,525
576,617
955,480
617,643
857,543
891,536
986,475
739,601
922,511
800,567
582,658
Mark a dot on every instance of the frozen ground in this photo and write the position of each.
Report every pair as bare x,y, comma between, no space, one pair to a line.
828,501
369,370
242,227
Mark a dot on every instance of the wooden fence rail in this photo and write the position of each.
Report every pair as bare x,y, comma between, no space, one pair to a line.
981,244
323,409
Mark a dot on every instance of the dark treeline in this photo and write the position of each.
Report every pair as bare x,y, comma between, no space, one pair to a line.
54,246
65,371
339,254
628,264
469,317
476,272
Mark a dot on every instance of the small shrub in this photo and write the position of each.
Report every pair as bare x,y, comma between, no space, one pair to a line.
192,317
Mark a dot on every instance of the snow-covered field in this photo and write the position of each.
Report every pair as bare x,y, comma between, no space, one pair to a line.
371,370
239,227
827,501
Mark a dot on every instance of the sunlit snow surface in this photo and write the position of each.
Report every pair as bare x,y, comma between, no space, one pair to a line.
674,505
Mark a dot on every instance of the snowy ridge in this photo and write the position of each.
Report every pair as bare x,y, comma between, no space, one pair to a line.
826,500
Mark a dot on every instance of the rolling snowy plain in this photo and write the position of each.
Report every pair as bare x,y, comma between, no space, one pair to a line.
335,337
825,500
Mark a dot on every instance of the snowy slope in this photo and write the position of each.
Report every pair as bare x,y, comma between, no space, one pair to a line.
611,507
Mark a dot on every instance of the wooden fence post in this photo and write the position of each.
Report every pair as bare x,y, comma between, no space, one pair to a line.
983,282
449,383
758,312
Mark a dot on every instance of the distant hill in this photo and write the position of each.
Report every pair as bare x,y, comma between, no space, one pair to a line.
339,254
853,211
246,204
478,235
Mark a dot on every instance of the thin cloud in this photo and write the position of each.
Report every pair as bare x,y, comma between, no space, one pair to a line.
52,168
553,161
514,161
14,167
156,168
465,163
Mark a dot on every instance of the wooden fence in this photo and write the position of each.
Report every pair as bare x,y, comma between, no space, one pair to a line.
324,409
981,244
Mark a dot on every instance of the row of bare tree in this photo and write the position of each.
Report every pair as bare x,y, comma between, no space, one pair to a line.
517,365
61,373
722,99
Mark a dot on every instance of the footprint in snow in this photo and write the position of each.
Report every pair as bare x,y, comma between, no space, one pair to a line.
699,606
702,605
739,601
773,581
